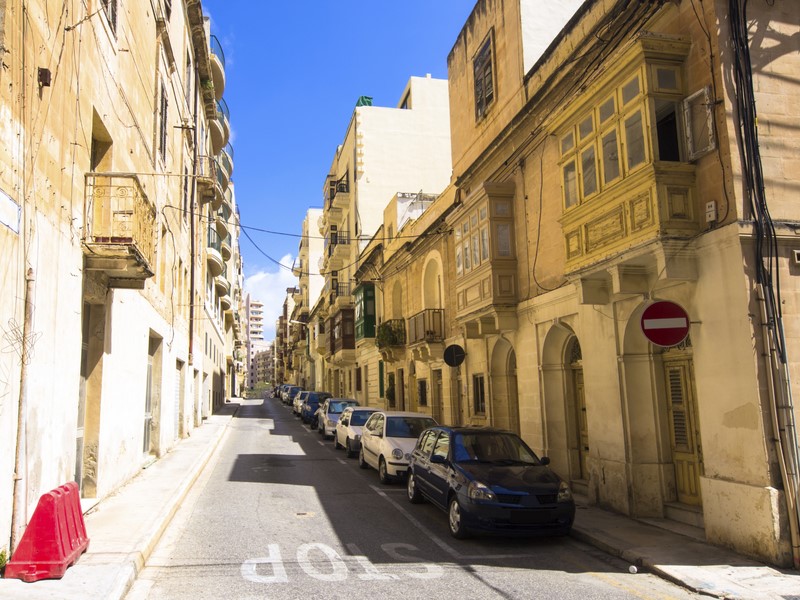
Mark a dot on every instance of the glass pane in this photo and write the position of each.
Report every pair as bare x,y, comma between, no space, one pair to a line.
459,266
586,127
474,220
502,209
630,90
467,264
570,184
607,110
588,171
666,79
567,143
610,156
485,243
483,213
476,257
634,138
503,231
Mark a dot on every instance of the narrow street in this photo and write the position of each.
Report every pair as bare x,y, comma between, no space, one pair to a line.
280,514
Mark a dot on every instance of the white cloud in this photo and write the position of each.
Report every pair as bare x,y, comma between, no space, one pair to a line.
270,288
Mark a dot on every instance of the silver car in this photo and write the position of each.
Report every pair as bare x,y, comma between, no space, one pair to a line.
348,428
329,415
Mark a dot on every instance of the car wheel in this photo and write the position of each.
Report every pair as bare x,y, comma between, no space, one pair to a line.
456,519
412,490
383,474
336,443
361,462
313,424
348,449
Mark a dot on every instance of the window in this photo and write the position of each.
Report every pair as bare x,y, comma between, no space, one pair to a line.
110,8
422,392
162,130
478,395
442,447
484,80
698,115
609,143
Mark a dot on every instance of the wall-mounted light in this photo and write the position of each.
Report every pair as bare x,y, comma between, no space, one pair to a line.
44,77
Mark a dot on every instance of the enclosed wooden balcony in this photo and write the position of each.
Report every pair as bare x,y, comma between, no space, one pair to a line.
656,205
119,236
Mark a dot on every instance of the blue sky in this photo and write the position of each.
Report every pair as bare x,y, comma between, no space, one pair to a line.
294,71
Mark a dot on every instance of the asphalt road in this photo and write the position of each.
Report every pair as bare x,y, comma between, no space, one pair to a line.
278,513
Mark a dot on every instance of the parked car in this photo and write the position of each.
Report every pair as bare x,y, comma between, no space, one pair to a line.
297,402
328,415
348,428
387,439
288,393
488,480
308,410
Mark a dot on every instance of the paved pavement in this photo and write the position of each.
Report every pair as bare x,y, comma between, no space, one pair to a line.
124,528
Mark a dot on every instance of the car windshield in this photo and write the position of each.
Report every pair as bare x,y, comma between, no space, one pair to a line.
407,427
498,448
337,407
360,417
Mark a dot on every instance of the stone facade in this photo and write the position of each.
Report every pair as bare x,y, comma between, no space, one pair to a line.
106,167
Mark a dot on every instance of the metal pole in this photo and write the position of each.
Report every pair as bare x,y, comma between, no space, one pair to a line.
19,514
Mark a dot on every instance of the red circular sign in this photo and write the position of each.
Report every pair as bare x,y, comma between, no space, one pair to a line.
665,323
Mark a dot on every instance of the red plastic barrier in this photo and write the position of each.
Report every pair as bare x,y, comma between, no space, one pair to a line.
53,540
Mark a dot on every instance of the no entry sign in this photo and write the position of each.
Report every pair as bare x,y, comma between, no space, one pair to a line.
665,323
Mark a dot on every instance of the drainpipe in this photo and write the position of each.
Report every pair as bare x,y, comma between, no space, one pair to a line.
782,424
19,513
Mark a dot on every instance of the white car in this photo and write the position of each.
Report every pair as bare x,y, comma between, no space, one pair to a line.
297,403
328,415
387,439
348,429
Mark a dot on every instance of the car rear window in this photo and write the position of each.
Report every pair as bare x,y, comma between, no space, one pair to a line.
407,427
360,417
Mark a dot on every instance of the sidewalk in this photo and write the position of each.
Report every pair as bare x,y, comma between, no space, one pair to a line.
124,528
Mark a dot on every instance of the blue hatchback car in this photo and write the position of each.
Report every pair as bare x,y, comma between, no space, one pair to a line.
308,411
488,480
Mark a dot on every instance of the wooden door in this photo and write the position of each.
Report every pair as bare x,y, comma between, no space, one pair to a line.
684,430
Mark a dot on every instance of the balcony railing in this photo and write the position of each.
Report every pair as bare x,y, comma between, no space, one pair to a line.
217,67
426,326
120,224
337,187
391,333
334,239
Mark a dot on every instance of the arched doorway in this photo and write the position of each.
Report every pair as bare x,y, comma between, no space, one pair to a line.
577,402
665,442
504,397
567,439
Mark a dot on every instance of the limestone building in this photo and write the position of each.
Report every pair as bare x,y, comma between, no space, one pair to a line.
603,166
117,231
384,151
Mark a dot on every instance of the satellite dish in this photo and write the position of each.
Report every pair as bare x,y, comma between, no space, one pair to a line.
454,355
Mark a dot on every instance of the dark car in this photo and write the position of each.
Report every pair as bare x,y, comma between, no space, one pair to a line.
308,410
489,480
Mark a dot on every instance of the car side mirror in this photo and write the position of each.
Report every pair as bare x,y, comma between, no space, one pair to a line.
545,460
438,459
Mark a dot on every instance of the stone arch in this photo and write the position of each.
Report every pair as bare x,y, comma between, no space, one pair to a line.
558,399
397,300
505,396
432,284
653,472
